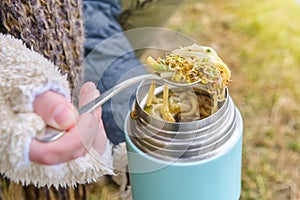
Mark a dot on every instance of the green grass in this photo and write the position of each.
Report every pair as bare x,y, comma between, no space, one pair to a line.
260,42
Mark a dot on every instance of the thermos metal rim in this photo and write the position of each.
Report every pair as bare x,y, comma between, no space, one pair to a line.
185,141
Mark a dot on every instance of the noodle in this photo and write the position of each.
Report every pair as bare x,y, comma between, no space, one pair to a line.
183,105
194,105
151,94
165,112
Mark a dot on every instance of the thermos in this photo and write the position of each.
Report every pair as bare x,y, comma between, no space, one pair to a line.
198,160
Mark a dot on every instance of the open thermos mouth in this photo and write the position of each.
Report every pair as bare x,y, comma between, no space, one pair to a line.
182,141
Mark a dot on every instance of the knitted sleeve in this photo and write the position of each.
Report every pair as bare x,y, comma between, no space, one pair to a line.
24,74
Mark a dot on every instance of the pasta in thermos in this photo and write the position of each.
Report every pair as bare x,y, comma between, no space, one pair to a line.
193,64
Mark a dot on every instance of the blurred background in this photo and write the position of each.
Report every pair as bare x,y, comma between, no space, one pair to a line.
260,42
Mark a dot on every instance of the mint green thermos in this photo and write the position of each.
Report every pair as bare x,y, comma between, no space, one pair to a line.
199,160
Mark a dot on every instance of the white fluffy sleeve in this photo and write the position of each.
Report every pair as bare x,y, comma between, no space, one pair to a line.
24,74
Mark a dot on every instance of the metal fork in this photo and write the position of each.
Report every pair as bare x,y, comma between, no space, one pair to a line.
52,134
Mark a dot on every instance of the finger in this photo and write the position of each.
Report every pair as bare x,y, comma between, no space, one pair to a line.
88,93
55,110
99,143
70,146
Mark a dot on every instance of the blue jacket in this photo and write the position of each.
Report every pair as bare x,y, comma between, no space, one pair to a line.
109,58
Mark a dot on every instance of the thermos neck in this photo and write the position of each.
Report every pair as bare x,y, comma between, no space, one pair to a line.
181,141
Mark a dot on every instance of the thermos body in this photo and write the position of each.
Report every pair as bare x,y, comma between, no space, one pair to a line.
198,160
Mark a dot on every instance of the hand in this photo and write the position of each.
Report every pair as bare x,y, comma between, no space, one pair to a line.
83,132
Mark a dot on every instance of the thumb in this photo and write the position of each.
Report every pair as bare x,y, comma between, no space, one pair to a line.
55,110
